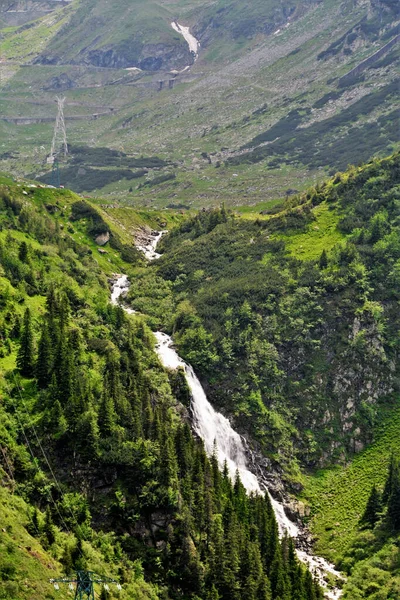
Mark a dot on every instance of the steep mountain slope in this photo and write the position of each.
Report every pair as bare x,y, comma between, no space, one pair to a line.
327,71
95,435
291,318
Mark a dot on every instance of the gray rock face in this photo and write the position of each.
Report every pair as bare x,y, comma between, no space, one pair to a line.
147,57
62,82
103,238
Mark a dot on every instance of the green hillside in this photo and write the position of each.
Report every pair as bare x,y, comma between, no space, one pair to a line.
99,469
300,305
291,319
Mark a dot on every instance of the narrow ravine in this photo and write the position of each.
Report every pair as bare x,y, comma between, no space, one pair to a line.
213,428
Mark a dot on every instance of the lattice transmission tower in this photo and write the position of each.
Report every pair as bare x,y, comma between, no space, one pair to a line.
84,584
59,142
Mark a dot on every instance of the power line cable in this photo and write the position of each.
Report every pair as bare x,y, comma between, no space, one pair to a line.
34,459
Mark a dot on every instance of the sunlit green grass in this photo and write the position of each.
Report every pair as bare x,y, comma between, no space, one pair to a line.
338,496
322,234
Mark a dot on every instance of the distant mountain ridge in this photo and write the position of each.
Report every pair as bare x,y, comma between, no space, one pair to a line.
278,97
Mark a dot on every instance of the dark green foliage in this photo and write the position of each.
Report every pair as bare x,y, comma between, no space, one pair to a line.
373,509
107,417
179,386
392,488
48,528
23,252
25,358
387,490
323,260
44,359
273,335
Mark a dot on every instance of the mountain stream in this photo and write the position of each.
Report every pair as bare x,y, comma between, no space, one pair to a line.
213,428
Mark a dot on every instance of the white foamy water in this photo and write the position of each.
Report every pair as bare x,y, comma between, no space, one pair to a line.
120,288
193,43
213,427
210,425
149,250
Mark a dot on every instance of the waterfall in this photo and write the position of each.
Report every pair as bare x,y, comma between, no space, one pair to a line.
213,428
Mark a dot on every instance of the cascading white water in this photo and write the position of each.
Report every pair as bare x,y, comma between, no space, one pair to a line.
119,289
120,286
213,427
210,425
149,250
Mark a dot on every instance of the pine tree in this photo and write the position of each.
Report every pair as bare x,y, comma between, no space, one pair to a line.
387,490
373,508
25,357
63,311
168,467
279,582
393,510
34,526
310,587
64,371
107,415
66,560
23,252
51,301
87,434
48,528
58,422
192,572
44,359
323,260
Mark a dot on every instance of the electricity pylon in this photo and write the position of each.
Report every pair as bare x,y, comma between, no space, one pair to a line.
59,132
84,584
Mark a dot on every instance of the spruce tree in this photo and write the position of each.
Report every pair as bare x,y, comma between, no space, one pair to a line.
387,490
64,371
393,510
23,252
373,508
34,526
323,260
51,302
107,415
25,357
279,582
63,311
44,359
49,529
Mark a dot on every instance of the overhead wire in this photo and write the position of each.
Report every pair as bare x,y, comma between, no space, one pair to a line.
7,463
34,459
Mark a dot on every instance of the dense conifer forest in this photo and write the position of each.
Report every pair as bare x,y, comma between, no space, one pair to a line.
98,466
